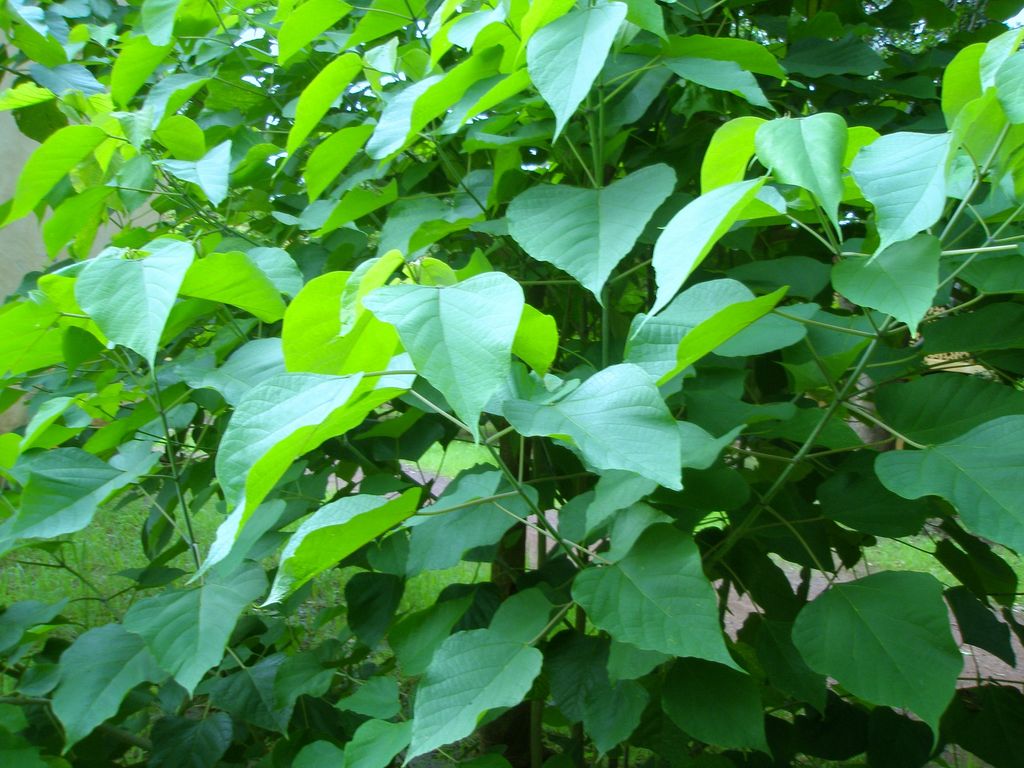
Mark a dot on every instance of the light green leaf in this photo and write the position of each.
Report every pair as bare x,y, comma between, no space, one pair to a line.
158,20
997,51
318,754
1010,87
377,697
807,152
24,95
415,638
903,175
886,639
251,363
715,704
961,81
566,56
279,267
307,22
657,598
71,218
471,673
357,203
646,14
335,531
382,17
981,473
729,153
459,336
901,280
135,62
721,76
751,55
330,157
65,487
587,232
60,153
420,103
376,743
97,671
541,13
719,328
233,279
616,419
317,97
30,336
209,173
131,299
690,235
186,630
536,341
182,136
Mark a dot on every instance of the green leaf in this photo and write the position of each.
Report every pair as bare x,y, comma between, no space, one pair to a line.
900,281
248,695
807,152
382,17
335,531
994,326
719,328
357,203
721,76
330,157
903,176
886,639
179,742
751,55
65,224
186,630
471,673
961,81
136,61
587,232
131,299
158,20
318,754
657,598
233,279
20,617
693,231
715,704
854,496
536,340
59,154
616,419
377,697
307,22
816,57
96,672
303,674
988,721
253,362
566,56
65,487
209,173
459,336
318,97
980,473
417,637
729,153
30,337
1010,87
25,94
376,743
942,406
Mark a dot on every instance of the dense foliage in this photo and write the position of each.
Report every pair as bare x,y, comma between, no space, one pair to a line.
724,292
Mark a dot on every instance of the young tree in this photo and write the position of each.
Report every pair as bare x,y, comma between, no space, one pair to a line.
714,295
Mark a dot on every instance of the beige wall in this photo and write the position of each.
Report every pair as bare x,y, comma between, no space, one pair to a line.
21,246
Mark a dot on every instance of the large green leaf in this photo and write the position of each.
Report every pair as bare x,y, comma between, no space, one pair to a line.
471,673
961,81
135,62
209,173
335,531
942,406
656,598
186,630
459,336
1010,87
331,156
30,336
59,154
807,152
721,76
130,299
901,280
566,56
233,279
536,341
692,232
816,57
749,54
317,97
306,23
616,419
903,175
180,742
715,704
587,232
64,488
376,743
886,639
729,153
981,473
248,695
96,672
